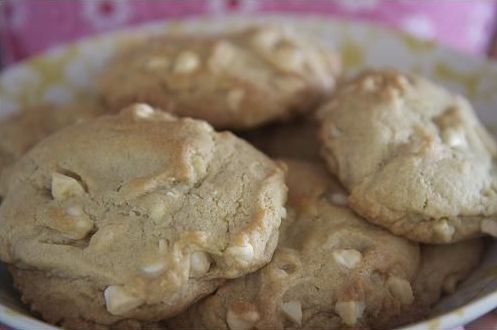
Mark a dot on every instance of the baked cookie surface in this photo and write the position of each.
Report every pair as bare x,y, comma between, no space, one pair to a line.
235,81
20,132
331,269
414,157
142,212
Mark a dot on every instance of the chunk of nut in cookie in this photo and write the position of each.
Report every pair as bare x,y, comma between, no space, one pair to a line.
119,301
186,62
200,263
348,258
242,316
293,311
401,289
350,311
444,230
64,187
489,227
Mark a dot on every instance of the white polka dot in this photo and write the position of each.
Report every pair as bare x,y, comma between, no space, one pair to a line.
119,15
420,26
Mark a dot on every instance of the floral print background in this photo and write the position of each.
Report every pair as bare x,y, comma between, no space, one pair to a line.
30,26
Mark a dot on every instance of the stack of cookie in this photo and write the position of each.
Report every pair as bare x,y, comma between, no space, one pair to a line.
348,207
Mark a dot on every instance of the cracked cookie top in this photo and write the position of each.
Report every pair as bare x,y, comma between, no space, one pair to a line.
149,211
235,80
414,157
331,269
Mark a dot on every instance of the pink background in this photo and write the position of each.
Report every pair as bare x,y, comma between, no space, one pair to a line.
30,26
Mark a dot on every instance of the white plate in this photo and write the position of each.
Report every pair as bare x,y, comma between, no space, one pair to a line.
65,73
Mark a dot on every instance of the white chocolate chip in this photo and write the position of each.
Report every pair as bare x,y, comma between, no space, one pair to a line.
242,317
283,212
156,63
83,225
74,211
119,301
64,186
338,199
444,230
401,289
142,110
489,227
348,258
266,39
243,253
172,194
293,311
350,311
199,263
186,62
234,99
223,55
154,269
454,138
289,59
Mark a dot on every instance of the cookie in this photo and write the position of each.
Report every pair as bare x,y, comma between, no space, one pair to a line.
331,269
140,213
20,132
235,80
414,157
442,268
293,140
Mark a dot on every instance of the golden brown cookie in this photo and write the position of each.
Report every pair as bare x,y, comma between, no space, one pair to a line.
331,269
21,131
235,80
136,216
414,157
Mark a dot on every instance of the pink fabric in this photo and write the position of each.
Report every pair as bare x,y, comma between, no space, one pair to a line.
31,26
28,27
